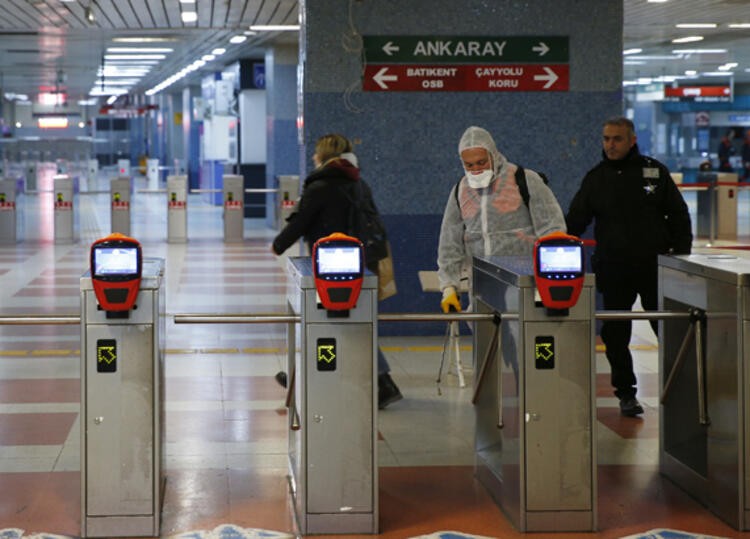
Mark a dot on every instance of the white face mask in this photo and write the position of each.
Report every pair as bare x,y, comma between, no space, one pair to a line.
480,180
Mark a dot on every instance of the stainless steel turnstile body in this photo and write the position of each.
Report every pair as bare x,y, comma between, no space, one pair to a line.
709,458
234,207
63,209
119,190
177,189
535,410
332,410
8,216
122,446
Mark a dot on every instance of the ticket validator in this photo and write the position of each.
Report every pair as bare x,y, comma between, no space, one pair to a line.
559,271
332,390
122,343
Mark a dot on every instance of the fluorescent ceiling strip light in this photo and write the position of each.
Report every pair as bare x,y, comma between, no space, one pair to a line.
274,27
716,74
740,25
138,49
697,25
144,39
189,16
122,82
237,39
218,51
631,51
134,57
699,51
687,39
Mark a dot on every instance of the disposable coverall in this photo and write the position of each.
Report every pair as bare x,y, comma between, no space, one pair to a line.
493,221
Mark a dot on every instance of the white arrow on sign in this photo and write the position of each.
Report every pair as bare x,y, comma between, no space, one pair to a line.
542,48
381,78
550,77
389,48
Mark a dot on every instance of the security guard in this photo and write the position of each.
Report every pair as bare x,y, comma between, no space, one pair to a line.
639,213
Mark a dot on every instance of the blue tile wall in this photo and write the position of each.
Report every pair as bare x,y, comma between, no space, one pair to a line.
407,141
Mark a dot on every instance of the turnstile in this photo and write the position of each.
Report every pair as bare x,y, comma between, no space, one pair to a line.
705,412
234,208
535,403
287,201
332,409
8,217
123,167
119,190
177,187
64,210
122,412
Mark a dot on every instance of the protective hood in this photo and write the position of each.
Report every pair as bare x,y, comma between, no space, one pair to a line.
476,137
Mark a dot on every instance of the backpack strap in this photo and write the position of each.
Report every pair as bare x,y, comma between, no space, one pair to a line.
523,188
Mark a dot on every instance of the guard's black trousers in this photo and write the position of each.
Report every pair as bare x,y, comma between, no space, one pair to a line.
619,285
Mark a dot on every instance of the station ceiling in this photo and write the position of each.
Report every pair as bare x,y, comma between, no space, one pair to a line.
59,45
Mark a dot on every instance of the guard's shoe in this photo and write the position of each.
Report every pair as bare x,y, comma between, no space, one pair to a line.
630,407
281,378
388,391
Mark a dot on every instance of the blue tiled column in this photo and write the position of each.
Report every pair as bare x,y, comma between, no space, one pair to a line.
283,146
407,141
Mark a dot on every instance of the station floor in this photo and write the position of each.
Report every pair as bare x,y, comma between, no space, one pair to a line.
225,416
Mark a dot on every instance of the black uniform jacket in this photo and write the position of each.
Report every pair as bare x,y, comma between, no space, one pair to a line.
637,210
324,206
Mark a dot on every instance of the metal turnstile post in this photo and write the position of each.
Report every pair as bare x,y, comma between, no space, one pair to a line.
234,208
8,217
64,209
332,409
31,176
119,189
177,189
704,414
123,167
152,172
535,400
122,445
287,201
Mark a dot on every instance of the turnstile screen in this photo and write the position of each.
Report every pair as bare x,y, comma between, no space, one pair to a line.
338,260
560,259
114,261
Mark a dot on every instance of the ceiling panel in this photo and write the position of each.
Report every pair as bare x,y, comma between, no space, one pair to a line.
41,39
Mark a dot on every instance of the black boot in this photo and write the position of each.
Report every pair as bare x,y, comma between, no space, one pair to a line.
388,391
281,378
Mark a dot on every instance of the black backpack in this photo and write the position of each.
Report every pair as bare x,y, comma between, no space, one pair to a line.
523,188
366,225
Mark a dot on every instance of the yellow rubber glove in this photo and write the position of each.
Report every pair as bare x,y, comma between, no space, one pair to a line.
450,300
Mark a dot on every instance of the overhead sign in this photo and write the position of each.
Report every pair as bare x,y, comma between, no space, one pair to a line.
467,49
699,93
468,78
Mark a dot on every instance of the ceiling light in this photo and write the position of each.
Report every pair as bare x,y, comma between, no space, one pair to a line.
238,39
274,27
687,39
740,25
699,51
250,33
691,72
631,51
218,52
142,39
111,99
88,13
634,63
18,124
87,102
657,1
716,74
134,56
187,1
208,57
138,49
697,25
728,66
189,16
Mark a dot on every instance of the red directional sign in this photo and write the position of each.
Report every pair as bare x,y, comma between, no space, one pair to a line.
466,78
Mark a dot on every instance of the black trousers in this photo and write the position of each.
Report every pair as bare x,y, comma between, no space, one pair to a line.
619,285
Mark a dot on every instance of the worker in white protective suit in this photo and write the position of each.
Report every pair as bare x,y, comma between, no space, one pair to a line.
486,214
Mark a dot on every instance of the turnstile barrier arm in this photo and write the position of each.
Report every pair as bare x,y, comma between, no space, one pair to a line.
489,357
695,329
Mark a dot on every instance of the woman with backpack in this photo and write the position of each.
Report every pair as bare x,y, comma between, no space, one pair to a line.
325,207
